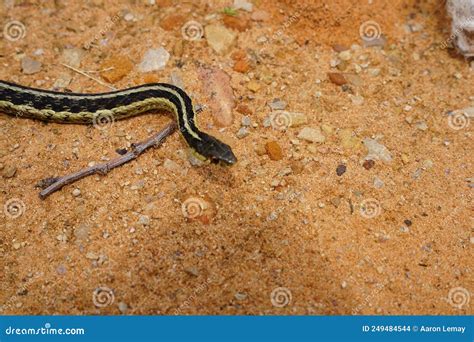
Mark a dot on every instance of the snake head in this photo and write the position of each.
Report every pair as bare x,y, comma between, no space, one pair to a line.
214,150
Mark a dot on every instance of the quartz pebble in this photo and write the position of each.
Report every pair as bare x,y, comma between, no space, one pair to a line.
377,151
154,59
219,38
244,5
30,66
313,135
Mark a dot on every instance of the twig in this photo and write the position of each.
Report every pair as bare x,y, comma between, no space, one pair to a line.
89,76
54,184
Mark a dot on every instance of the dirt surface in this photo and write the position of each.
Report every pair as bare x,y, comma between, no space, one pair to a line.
287,236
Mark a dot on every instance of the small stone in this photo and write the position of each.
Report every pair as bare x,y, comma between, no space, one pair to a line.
313,135
405,158
171,165
123,307
337,78
144,220
357,100
9,171
30,66
343,284
236,23
345,55
172,22
378,183
274,150
407,222
377,151
92,256
341,169
368,164
422,126
242,65
327,129
242,133
16,245
243,109
240,296
62,81
340,47
253,86
260,15
192,271
115,68
76,192
277,104
246,121
243,4
374,72
219,38
154,59
72,57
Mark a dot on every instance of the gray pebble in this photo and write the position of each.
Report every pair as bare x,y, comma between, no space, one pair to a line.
242,133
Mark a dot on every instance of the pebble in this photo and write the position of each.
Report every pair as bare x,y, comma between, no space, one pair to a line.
115,68
76,192
376,150
253,86
9,171
242,133
345,55
171,165
236,23
374,72
62,81
274,150
92,256
154,59
378,183
240,296
277,104
144,220
192,271
341,169
219,38
357,100
343,284
246,121
422,126
244,5
368,164
123,307
260,15
337,78
313,135
72,57
30,66
216,84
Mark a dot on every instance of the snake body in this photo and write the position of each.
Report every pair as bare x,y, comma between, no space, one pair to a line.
76,108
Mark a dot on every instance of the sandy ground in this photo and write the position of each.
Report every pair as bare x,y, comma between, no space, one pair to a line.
285,236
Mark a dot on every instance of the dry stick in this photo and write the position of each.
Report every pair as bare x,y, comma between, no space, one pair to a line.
104,168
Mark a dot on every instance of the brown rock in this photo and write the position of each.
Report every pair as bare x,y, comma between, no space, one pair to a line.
243,109
242,66
236,23
172,22
337,78
216,84
115,68
9,171
368,164
274,150
340,47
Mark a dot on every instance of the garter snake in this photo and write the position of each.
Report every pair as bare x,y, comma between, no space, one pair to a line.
76,108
